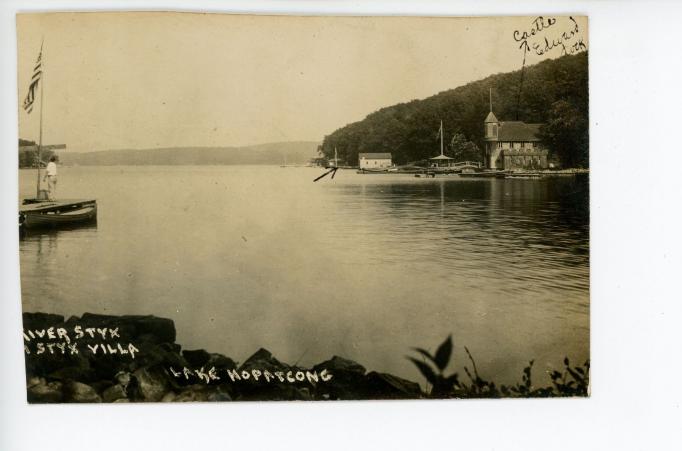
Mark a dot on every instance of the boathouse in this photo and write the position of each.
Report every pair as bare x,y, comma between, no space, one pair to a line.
513,145
374,160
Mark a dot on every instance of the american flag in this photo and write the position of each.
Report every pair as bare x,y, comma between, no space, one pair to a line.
37,74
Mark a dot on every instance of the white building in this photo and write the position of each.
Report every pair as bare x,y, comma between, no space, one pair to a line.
374,160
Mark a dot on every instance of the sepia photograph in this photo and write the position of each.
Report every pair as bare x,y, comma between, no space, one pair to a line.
233,207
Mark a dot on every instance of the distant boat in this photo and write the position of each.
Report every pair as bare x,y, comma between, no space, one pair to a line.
335,163
285,165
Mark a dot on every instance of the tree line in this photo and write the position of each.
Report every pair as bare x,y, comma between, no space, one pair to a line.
29,158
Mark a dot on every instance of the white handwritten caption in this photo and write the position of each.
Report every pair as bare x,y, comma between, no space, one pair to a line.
57,340
255,375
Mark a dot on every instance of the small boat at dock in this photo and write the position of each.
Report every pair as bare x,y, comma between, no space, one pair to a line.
524,175
39,214
481,175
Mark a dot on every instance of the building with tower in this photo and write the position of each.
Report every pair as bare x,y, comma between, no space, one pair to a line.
512,145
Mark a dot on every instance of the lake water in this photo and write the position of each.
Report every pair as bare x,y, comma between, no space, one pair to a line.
361,266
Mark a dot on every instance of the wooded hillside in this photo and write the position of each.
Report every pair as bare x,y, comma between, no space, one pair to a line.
554,92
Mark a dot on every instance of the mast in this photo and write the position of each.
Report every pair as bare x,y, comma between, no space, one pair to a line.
336,159
490,98
441,137
40,135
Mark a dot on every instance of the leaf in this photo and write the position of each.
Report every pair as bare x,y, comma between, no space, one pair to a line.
443,353
575,376
425,353
426,371
453,379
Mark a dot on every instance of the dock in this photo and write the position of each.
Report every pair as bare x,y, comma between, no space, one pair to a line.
44,206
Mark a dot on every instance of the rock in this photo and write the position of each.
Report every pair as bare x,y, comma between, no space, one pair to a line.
131,327
387,386
100,386
338,365
45,392
304,394
35,381
263,360
79,392
163,355
151,384
221,363
218,396
114,392
58,366
191,396
348,380
201,393
280,392
162,328
197,358
41,320
169,397
85,377
82,372
123,378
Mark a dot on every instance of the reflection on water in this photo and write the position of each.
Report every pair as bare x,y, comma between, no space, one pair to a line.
363,266
513,235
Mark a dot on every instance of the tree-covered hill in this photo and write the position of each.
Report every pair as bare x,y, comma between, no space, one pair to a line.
294,152
554,92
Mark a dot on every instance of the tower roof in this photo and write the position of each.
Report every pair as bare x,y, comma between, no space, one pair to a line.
491,118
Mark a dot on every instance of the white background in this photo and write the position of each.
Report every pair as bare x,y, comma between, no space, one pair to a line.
636,273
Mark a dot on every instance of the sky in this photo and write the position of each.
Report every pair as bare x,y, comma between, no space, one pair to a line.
146,80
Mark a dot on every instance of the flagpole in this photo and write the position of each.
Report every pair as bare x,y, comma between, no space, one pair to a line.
40,136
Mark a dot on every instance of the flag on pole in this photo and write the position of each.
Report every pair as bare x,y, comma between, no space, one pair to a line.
37,74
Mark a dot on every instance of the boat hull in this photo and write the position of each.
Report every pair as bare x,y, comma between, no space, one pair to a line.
86,214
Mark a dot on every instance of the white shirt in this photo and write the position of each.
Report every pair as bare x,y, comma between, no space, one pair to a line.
51,168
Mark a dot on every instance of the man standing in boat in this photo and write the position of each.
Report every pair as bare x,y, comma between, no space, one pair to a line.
51,176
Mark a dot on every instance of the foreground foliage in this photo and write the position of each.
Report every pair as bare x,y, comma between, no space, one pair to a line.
572,381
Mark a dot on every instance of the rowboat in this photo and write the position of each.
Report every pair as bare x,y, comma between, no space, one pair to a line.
57,213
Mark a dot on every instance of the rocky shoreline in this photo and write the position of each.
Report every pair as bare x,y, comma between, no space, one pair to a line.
100,358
